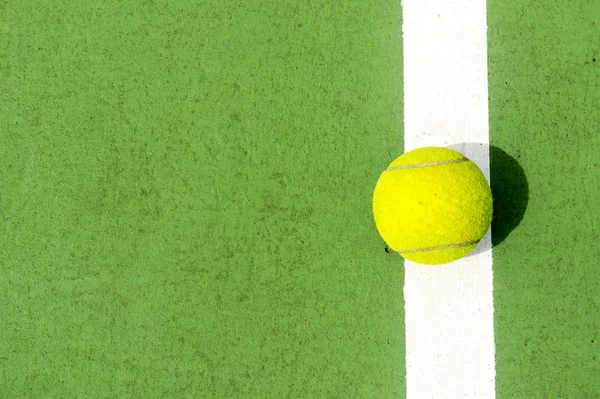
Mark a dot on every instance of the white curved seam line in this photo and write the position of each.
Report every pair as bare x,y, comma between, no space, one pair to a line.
466,244
422,165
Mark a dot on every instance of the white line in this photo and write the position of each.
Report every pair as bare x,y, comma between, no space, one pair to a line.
448,309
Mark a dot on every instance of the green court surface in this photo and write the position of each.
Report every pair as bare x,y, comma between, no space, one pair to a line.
544,113
186,186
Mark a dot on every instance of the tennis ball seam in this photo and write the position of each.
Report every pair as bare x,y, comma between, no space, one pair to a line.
451,246
422,165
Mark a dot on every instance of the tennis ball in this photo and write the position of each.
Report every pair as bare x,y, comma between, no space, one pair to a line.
432,205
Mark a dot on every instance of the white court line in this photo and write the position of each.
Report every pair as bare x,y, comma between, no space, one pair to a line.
448,309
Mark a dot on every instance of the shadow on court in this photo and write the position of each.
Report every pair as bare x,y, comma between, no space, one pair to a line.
511,194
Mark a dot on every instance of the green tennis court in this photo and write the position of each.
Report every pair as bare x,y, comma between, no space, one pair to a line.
186,199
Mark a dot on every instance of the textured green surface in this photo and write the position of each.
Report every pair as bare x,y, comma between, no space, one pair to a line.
185,199
544,60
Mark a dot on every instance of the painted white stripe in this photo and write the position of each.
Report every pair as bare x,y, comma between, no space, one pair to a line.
449,309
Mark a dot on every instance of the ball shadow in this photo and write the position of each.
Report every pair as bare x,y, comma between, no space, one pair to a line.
510,189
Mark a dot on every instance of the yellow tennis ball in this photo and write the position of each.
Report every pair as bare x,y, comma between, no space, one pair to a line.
432,205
